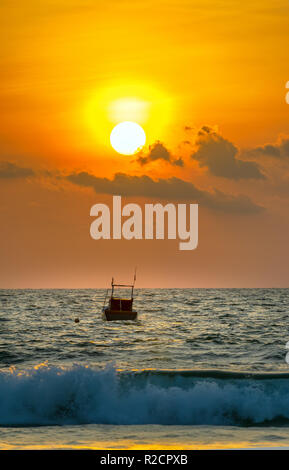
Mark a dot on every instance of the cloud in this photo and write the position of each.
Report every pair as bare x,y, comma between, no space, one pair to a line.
9,170
219,156
277,150
158,151
284,147
171,189
268,149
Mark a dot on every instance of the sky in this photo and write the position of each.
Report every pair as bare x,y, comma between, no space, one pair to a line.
206,80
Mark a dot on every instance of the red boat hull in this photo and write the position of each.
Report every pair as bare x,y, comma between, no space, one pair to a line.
112,315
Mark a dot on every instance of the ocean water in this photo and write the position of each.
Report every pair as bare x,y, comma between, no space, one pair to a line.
199,368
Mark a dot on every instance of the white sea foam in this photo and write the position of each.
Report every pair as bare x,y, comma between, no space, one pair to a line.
78,395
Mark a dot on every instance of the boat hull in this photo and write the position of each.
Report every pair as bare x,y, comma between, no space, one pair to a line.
113,315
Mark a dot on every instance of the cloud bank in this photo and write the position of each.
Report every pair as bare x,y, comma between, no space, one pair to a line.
171,189
9,170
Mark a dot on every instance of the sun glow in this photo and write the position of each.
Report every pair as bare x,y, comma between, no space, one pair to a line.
125,101
127,138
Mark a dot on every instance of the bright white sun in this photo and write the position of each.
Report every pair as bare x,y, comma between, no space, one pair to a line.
127,138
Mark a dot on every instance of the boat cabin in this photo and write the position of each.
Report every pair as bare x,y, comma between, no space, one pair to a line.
119,308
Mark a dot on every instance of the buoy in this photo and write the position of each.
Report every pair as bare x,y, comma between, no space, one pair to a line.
76,320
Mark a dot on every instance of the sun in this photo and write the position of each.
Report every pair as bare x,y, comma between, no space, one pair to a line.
127,138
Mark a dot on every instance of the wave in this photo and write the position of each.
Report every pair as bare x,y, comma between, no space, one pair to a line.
81,395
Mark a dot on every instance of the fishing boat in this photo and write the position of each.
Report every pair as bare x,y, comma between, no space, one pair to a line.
119,308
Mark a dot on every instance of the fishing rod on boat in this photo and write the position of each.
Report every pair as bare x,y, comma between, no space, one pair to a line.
134,279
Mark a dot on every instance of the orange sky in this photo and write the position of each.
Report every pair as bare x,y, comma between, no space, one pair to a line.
206,79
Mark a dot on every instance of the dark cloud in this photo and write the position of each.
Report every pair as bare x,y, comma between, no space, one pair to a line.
158,151
9,170
278,150
219,156
271,150
206,130
284,147
171,189
178,162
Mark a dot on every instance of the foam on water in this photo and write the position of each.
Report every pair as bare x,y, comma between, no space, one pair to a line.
82,395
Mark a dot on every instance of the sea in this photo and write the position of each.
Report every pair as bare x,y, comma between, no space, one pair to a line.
198,369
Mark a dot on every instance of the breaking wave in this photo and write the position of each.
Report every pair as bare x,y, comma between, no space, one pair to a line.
82,395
